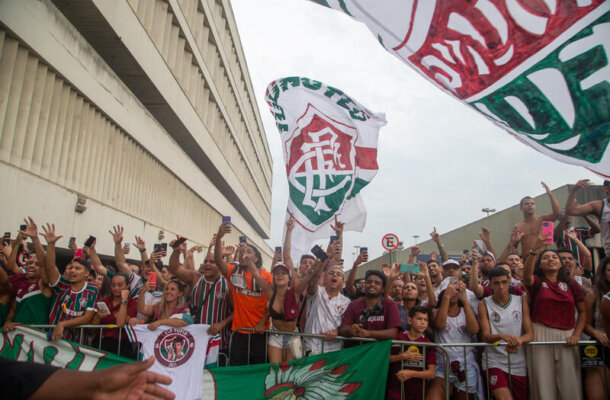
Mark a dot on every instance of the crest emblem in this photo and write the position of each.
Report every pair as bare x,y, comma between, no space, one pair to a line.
493,379
516,316
174,347
563,286
321,167
495,317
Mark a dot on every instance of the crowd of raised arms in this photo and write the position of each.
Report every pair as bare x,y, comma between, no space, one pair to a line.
530,291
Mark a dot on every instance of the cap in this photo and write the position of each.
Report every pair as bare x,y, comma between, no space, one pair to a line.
450,263
489,253
280,266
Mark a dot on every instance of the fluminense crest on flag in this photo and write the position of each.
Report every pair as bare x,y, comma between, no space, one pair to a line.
329,143
537,68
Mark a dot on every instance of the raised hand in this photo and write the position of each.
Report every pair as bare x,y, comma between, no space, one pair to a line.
435,236
338,227
385,268
117,233
290,224
581,184
31,230
49,233
546,188
485,235
228,251
515,236
433,255
223,229
140,244
415,250
362,257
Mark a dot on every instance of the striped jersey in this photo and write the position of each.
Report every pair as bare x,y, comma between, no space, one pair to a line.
210,304
68,304
582,233
134,281
31,306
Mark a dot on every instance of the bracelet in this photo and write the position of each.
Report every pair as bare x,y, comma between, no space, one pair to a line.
143,250
533,253
124,302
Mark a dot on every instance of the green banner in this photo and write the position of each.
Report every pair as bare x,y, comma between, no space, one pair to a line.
29,344
356,373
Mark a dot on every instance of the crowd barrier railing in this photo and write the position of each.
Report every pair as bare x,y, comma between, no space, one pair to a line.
94,339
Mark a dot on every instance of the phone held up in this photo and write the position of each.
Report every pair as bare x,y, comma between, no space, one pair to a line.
319,253
89,242
547,231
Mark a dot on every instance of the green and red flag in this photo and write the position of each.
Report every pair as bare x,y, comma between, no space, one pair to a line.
359,372
329,141
29,344
540,69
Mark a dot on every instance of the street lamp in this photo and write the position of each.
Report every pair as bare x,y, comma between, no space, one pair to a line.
488,210
415,237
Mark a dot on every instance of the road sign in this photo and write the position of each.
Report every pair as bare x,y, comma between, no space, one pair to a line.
390,242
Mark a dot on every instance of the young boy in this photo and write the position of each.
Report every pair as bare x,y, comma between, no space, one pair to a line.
408,369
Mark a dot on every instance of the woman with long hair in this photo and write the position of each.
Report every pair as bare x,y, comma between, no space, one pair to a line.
454,321
120,310
170,311
594,378
554,369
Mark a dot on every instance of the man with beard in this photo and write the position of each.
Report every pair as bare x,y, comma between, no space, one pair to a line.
531,226
326,306
32,293
210,298
373,316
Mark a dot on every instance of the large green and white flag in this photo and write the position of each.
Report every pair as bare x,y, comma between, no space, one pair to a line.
29,344
540,69
329,141
357,373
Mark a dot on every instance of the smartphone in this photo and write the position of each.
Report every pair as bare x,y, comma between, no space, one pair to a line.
90,241
127,244
7,235
409,268
178,242
152,277
363,249
164,246
157,247
22,227
547,229
226,220
319,253
278,249
71,241
480,246
334,238
242,239
101,306
465,251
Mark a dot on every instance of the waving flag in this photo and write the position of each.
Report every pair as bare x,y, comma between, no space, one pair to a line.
540,69
330,148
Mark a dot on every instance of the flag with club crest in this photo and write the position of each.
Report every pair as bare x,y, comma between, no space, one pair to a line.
329,141
540,69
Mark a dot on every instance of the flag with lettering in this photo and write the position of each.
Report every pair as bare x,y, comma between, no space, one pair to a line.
540,69
29,344
329,141
357,373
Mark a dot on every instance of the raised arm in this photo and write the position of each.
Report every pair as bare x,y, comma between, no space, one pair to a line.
287,249
266,286
512,246
440,319
140,244
338,228
554,205
441,249
185,275
143,308
587,263
472,325
351,278
592,207
530,262
313,275
51,238
11,265
119,256
423,270
96,263
474,284
415,250
223,229
31,231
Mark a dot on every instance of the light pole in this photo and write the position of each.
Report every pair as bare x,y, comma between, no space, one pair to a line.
488,210
415,237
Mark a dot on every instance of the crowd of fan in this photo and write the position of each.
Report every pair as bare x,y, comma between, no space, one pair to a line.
512,298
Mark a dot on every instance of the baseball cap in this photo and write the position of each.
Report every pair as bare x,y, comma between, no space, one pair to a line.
451,263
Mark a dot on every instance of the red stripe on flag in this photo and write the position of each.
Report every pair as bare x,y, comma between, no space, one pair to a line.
366,157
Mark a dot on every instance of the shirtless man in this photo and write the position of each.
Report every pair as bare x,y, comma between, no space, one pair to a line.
599,208
531,226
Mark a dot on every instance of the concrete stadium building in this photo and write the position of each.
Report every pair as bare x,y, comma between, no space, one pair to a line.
139,112
500,224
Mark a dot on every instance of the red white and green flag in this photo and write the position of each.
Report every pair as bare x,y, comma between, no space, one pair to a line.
540,69
329,141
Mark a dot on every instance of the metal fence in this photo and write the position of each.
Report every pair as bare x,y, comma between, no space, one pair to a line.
94,339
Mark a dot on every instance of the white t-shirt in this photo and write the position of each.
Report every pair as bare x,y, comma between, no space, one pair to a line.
604,225
472,298
179,353
455,332
324,314
506,320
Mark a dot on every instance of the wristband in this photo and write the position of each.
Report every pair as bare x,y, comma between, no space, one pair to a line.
533,253
143,250
124,302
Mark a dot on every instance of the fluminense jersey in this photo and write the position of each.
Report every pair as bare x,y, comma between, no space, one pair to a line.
210,301
68,304
31,306
507,320
179,353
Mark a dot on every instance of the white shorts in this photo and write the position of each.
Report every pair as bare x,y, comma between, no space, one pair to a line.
279,340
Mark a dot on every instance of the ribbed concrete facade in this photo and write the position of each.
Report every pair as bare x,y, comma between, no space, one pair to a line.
145,108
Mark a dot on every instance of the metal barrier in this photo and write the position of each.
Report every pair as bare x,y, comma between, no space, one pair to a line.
442,347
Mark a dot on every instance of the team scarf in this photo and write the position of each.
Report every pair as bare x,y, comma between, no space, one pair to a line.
329,141
538,69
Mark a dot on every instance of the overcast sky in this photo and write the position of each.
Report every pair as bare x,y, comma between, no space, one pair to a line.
440,162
